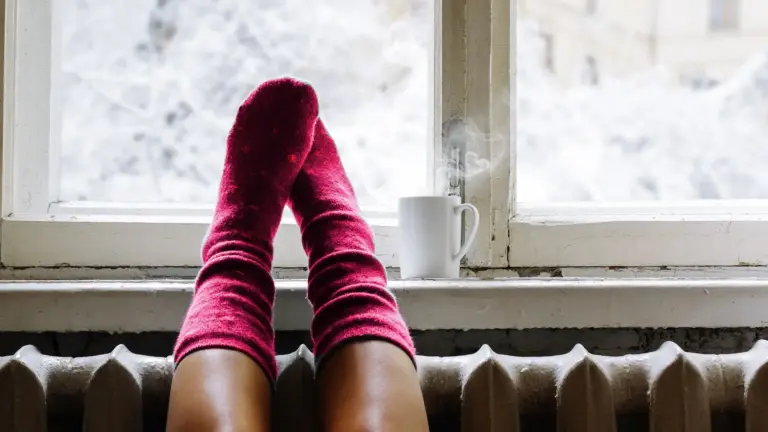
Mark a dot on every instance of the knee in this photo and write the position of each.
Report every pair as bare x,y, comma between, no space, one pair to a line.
371,386
219,390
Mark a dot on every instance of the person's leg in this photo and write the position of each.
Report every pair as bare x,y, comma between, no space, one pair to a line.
225,351
371,385
366,374
219,390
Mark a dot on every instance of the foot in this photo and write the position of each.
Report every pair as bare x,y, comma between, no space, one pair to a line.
234,291
225,352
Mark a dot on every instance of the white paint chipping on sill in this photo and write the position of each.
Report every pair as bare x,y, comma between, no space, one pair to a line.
67,273
140,306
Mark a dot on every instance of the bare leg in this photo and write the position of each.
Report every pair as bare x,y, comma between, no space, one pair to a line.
219,390
371,386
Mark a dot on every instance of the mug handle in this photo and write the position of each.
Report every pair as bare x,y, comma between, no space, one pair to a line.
472,232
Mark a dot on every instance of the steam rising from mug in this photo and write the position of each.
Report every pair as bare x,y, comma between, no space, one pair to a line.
470,137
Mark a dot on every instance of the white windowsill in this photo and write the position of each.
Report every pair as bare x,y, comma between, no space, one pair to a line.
519,303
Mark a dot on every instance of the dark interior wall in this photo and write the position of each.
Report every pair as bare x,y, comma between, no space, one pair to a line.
533,342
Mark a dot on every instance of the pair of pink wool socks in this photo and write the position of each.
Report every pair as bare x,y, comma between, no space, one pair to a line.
278,153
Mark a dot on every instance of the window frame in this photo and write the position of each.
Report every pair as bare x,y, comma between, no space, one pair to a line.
474,85
38,230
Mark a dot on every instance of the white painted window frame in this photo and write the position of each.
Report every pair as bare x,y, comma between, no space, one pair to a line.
38,230
723,234
474,85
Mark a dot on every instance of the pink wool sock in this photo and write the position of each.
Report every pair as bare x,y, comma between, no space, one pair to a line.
347,283
234,291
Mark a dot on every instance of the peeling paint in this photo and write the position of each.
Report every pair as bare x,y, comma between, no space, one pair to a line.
65,271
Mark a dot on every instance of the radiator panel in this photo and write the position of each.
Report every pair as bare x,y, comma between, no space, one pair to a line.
666,390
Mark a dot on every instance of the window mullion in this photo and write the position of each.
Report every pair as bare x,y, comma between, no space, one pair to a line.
56,109
450,77
434,150
486,158
477,182
27,161
503,128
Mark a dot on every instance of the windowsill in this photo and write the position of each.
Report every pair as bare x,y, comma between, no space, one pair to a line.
139,306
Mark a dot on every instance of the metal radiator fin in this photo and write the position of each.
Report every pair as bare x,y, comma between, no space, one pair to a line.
666,390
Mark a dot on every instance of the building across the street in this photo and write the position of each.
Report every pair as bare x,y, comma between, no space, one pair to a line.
701,42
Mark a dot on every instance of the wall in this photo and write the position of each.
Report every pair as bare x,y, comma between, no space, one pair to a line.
533,342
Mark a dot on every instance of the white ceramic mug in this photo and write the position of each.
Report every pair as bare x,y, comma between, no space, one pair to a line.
430,236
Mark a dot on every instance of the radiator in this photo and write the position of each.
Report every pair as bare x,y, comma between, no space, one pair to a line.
666,390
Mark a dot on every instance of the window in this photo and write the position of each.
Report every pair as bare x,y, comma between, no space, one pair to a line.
114,140
640,168
589,73
724,14
634,169
157,100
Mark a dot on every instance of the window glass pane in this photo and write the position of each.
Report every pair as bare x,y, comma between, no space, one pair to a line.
645,104
149,89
